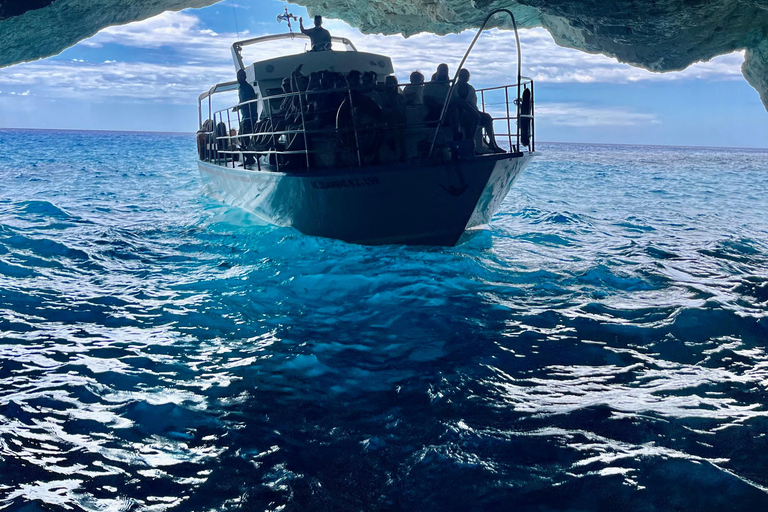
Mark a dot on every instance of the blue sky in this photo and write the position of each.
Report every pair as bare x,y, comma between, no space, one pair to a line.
147,76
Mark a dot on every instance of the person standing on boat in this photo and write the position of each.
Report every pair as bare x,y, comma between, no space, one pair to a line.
319,37
248,113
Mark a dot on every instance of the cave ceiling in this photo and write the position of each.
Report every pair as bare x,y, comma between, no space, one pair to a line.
659,35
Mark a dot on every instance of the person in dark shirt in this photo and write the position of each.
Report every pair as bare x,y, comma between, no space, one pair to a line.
470,117
413,94
319,37
246,93
248,113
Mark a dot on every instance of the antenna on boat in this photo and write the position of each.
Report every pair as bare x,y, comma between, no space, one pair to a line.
287,17
234,13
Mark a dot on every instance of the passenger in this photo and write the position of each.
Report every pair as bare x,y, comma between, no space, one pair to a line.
465,100
413,94
441,75
368,88
318,36
209,138
392,98
248,113
246,93
394,114
435,94
353,80
233,143
200,137
222,143
339,81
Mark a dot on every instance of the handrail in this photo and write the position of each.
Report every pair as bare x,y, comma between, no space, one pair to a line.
461,64
273,132
222,87
238,45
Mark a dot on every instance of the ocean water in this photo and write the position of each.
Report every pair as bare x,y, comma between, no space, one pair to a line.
601,347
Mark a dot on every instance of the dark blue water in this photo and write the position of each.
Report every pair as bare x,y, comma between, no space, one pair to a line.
602,347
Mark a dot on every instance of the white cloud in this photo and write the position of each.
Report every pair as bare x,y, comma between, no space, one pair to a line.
581,115
104,81
179,32
202,58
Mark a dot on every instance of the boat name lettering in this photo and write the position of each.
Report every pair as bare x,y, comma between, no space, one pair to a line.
368,181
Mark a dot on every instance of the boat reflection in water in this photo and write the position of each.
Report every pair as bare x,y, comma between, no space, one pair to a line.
324,158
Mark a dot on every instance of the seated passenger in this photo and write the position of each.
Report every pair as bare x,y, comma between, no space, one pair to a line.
200,137
318,36
413,94
368,87
233,142
222,143
465,101
436,91
392,98
441,75
394,114
208,131
353,80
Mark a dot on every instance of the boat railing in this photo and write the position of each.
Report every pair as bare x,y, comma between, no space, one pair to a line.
237,46
352,136
512,119
518,99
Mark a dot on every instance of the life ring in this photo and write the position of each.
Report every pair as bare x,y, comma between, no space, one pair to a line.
525,122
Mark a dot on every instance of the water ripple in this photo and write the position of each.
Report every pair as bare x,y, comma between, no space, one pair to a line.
601,346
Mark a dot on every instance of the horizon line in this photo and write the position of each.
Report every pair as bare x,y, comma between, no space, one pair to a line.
540,142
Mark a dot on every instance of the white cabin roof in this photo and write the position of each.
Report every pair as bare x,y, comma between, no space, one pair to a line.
343,62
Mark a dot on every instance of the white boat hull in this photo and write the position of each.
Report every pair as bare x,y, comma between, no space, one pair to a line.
402,204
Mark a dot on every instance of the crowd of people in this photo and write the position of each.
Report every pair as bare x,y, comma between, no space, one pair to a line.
329,102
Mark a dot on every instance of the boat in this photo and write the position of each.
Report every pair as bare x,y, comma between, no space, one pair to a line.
354,173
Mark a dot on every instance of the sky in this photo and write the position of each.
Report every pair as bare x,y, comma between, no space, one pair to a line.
147,75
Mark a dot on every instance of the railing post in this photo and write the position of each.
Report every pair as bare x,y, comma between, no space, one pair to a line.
461,64
509,126
533,117
230,142
304,129
354,129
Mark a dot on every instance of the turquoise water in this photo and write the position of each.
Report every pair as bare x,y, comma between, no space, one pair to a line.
601,347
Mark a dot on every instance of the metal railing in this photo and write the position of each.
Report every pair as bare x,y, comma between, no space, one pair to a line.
354,138
504,115
449,98
237,46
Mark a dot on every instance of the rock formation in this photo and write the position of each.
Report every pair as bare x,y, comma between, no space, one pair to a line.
660,35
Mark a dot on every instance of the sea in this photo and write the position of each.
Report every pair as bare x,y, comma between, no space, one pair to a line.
601,346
